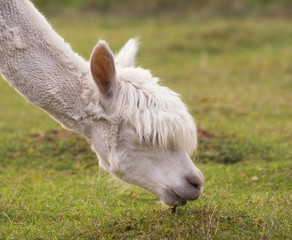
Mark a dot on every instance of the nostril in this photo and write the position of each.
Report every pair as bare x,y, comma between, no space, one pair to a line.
195,185
195,181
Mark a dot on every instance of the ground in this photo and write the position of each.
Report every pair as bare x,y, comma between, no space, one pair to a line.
235,77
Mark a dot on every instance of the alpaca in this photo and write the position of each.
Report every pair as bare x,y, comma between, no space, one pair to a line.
141,131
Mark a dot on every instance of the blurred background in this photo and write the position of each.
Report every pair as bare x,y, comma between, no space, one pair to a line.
205,8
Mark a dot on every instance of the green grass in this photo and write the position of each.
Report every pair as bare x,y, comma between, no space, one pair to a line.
203,8
235,76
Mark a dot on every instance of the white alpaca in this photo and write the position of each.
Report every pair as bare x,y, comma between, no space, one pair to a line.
141,131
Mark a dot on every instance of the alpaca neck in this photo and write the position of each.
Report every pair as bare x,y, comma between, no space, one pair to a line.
37,62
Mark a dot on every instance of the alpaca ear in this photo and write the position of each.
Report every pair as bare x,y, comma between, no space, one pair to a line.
102,67
126,56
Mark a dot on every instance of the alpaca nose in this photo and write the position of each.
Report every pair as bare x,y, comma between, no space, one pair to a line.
192,188
196,180
189,189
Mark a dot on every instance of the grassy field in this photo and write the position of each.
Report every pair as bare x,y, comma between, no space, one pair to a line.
235,76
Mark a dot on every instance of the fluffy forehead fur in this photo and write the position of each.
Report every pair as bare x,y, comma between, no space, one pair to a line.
157,114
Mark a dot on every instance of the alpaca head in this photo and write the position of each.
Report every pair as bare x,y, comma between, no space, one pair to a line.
149,133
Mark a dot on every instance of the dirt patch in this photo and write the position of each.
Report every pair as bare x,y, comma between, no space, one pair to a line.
216,147
53,135
229,148
213,146
207,135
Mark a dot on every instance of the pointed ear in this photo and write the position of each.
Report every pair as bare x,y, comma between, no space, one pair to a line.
126,56
103,68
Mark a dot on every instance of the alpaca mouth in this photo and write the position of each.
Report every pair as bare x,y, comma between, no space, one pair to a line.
177,200
181,202
174,197
190,197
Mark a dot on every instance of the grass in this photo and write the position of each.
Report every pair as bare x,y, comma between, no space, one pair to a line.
203,8
235,76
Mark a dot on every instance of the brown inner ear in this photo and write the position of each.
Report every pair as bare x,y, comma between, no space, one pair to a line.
103,70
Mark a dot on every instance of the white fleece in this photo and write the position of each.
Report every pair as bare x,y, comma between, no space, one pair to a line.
38,63
142,134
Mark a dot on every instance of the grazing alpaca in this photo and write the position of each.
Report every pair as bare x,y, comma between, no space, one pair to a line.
141,131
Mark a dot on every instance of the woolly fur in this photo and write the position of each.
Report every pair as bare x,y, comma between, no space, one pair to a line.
38,63
157,113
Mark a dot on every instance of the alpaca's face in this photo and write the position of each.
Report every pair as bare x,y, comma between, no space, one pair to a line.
149,133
